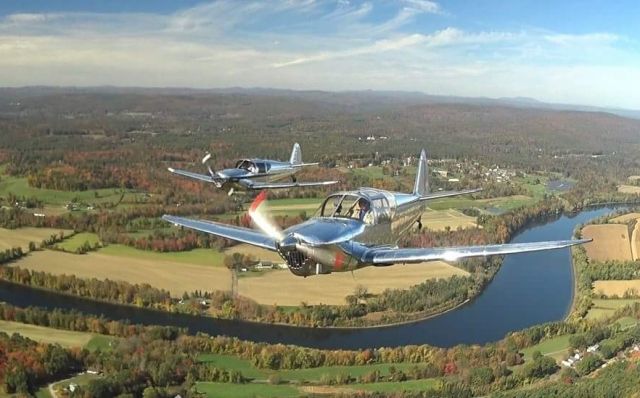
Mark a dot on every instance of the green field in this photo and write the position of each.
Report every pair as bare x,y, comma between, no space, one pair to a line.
316,374
47,335
209,257
100,342
228,390
555,347
603,308
502,203
389,387
234,363
20,187
73,243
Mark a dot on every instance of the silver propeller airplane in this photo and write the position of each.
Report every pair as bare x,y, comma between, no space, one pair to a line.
256,174
355,229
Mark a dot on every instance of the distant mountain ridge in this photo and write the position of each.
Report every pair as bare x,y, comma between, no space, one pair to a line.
357,98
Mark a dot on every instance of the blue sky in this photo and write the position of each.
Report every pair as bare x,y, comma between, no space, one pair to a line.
582,52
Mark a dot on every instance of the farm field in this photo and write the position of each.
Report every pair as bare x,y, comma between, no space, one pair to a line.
21,237
625,217
610,242
632,189
47,335
76,241
258,253
500,204
616,288
439,220
228,390
20,187
555,347
284,288
164,273
603,308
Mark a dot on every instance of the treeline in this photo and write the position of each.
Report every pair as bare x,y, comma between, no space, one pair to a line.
25,364
141,295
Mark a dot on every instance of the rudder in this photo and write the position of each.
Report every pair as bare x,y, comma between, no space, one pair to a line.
421,185
296,154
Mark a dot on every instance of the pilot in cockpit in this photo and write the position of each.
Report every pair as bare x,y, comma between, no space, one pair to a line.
361,209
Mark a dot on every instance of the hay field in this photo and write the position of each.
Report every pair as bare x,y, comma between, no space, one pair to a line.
438,220
625,217
628,189
616,288
174,276
281,287
258,253
21,237
284,288
42,334
610,242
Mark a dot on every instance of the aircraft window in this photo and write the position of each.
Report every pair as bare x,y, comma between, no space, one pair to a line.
262,167
351,206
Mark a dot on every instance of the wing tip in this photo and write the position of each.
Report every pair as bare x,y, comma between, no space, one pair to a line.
171,169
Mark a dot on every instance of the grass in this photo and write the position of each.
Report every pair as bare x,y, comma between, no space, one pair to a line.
555,347
228,390
47,335
81,380
196,256
100,342
20,237
603,308
20,187
316,374
503,203
390,387
233,363
73,243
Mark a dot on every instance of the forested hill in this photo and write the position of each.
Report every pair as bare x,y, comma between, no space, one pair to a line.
266,122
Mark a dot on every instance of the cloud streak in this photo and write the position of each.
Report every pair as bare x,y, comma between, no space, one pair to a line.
317,45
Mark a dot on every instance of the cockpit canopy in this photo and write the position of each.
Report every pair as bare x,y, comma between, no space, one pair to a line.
252,166
369,207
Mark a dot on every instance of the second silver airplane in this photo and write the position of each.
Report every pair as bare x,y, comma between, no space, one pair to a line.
256,174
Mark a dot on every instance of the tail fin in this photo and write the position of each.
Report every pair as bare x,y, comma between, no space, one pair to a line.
296,155
421,186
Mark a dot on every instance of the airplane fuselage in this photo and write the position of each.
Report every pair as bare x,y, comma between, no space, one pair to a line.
390,217
259,170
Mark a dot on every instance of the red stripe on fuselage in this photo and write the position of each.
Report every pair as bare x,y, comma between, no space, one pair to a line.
339,261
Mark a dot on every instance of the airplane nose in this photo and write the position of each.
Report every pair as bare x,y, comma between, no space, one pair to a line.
288,243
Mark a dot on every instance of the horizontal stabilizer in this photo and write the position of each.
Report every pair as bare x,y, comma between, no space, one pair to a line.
305,164
244,235
417,255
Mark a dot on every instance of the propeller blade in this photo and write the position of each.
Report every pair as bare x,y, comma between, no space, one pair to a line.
261,217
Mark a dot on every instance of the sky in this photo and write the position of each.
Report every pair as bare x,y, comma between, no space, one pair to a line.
579,52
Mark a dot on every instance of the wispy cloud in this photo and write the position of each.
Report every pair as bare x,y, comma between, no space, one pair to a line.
309,44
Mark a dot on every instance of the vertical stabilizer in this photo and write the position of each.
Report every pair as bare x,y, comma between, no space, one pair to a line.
421,186
296,154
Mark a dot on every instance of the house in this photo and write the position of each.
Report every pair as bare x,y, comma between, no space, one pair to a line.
593,348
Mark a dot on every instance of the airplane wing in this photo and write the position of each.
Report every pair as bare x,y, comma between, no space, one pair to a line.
446,194
197,176
244,235
278,185
417,255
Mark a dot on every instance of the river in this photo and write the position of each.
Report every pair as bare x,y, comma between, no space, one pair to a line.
528,289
